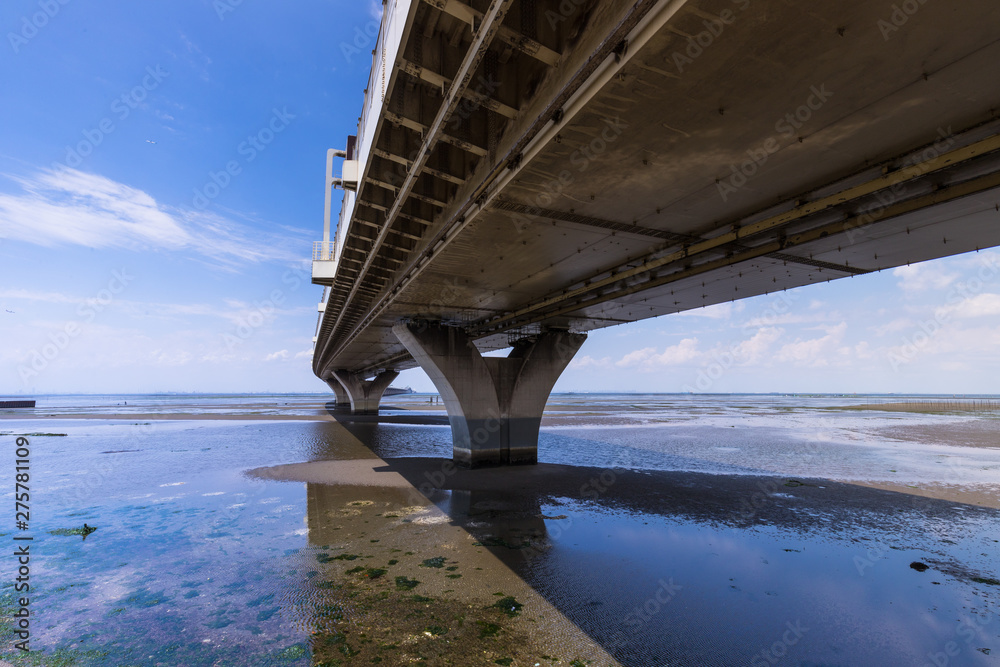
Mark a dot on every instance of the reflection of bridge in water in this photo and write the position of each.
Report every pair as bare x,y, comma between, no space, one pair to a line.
526,172
639,567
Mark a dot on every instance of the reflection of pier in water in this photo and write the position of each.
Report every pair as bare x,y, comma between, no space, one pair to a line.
650,566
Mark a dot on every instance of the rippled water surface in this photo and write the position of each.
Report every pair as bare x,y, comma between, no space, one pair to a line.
658,530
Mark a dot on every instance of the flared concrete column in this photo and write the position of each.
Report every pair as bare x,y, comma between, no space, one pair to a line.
494,404
365,395
343,400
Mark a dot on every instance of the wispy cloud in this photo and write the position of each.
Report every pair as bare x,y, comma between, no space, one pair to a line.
923,277
70,207
980,305
235,312
720,311
648,359
816,351
581,363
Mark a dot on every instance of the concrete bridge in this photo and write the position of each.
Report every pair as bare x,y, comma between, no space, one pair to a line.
525,171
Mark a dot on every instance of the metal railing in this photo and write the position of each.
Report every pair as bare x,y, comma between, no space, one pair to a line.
324,251
378,75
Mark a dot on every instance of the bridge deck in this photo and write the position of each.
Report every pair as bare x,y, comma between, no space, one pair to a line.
633,159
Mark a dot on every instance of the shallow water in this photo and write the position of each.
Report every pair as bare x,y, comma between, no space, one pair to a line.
674,539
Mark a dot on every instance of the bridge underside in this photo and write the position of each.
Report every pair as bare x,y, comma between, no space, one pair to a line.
544,169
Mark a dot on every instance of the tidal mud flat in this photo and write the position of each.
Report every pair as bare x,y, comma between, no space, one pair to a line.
667,533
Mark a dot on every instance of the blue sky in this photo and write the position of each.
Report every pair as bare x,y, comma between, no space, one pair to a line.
161,184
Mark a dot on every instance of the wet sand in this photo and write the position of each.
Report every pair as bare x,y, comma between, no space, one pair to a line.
415,585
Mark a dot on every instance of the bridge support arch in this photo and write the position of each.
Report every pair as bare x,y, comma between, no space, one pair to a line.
494,404
343,400
363,395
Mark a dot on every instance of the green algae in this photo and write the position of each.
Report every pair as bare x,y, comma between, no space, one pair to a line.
327,558
143,599
405,584
266,614
293,653
58,658
437,561
508,605
986,580
261,600
67,532
487,629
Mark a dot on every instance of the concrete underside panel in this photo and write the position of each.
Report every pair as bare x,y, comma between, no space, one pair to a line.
807,99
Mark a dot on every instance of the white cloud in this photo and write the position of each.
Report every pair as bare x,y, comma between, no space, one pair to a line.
647,358
923,277
773,319
978,306
304,354
898,324
237,312
66,206
588,361
33,295
720,311
814,352
756,348
280,355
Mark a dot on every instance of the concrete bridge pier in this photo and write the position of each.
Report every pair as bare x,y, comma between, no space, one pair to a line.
343,400
364,395
494,404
